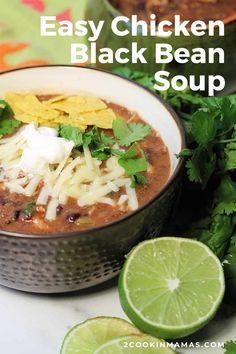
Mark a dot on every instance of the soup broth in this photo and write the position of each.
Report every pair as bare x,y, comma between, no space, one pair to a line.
188,10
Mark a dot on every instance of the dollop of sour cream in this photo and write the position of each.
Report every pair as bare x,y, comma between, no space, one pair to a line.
42,147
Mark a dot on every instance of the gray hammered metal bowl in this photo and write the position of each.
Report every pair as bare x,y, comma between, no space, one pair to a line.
68,262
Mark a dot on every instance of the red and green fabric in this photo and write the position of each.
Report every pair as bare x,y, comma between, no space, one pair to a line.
20,40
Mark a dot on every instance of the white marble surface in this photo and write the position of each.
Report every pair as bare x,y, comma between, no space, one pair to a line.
36,324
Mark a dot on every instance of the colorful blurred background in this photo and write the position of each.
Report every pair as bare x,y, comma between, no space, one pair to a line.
20,40
21,44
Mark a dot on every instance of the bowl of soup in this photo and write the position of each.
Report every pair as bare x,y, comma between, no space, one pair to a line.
165,10
88,168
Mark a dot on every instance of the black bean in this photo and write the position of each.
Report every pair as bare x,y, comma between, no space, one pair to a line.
16,215
72,217
59,209
26,217
2,201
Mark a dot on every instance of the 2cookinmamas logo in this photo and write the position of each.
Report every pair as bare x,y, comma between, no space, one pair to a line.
178,345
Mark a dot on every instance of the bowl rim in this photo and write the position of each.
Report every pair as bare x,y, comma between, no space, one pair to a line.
116,12
173,177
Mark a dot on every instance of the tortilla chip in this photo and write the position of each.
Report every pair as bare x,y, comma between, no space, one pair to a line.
29,104
78,104
54,99
12,100
66,120
102,119
27,118
77,111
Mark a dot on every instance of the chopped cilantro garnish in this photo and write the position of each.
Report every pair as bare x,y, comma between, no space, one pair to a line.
107,140
133,160
8,124
105,152
92,138
102,153
29,209
99,144
128,133
70,133
138,179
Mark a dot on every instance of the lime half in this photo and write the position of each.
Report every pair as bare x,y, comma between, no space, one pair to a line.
86,337
170,287
135,344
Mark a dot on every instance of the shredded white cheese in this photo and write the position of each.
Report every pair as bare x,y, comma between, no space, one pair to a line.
132,196
51,213
123,198
32,186
44,195
26,169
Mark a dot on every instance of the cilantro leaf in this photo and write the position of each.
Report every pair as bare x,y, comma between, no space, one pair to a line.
5,110
70,133
225,197
107,140
200,166
92,138
204,125
230,347
138,179
230,266
121,131
8,124
218,234
105,152
99,144
29,209
230,157
185,153
228,111
230,153
132,162
127,134
102,154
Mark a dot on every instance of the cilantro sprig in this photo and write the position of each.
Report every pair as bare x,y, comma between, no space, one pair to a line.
138,179
134,162
29,209
71,133
211,128
207,209
8,124
107,140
